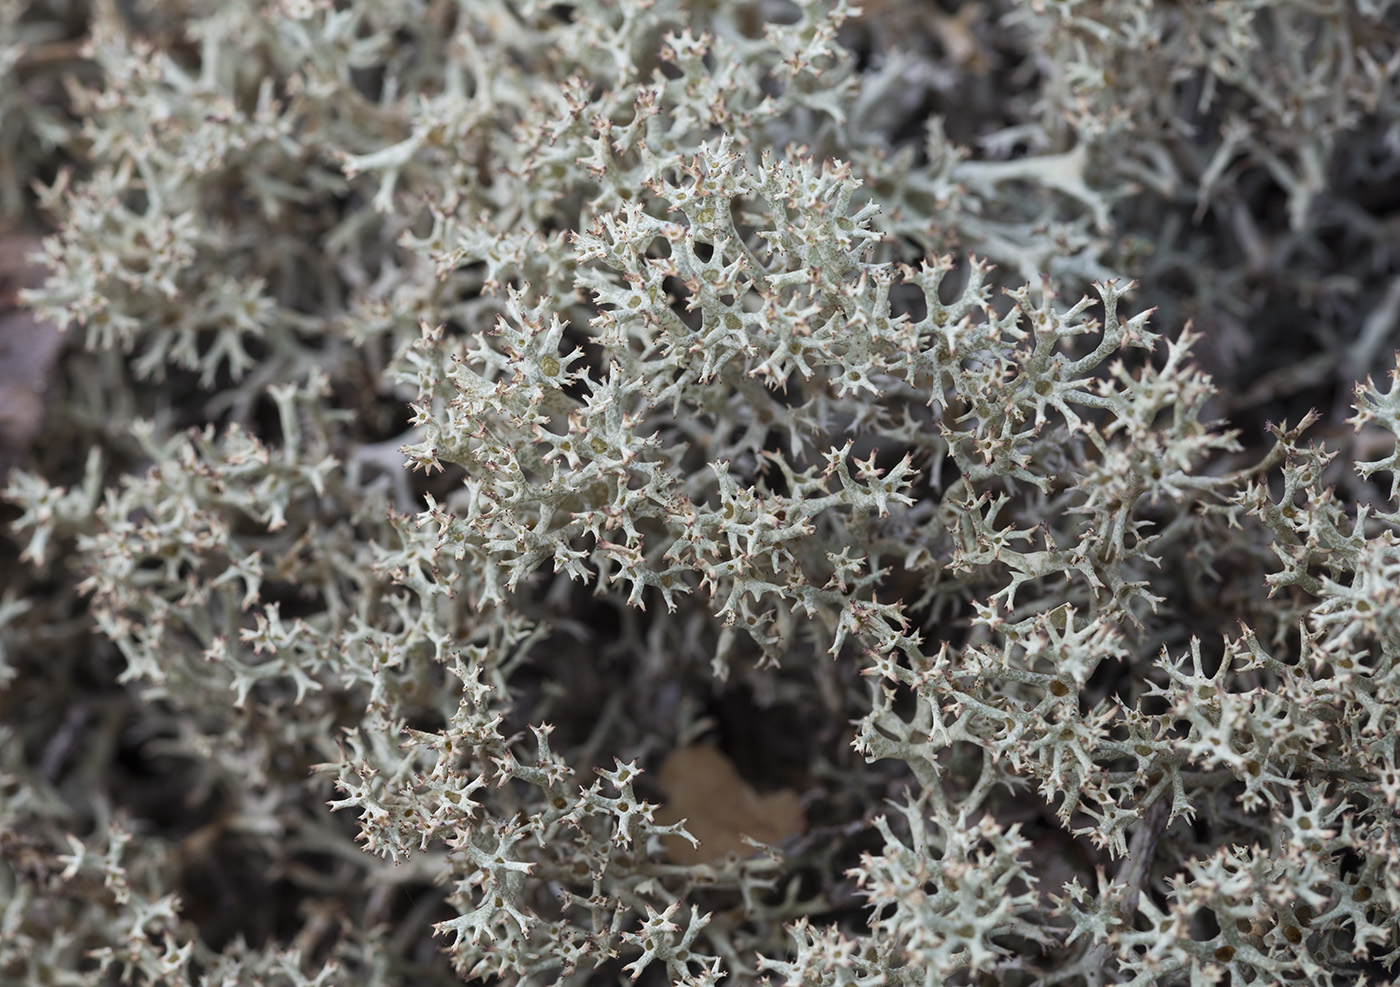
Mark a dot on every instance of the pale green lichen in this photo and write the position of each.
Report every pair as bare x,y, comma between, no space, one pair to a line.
486,397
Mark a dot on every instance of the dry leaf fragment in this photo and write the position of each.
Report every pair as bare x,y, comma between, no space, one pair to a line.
702,787
28,349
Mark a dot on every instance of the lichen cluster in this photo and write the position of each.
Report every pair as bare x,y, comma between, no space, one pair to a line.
695,492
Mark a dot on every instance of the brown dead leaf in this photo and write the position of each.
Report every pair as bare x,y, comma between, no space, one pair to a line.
702,787
28,348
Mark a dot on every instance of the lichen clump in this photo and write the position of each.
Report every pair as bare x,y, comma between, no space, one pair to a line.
682,492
